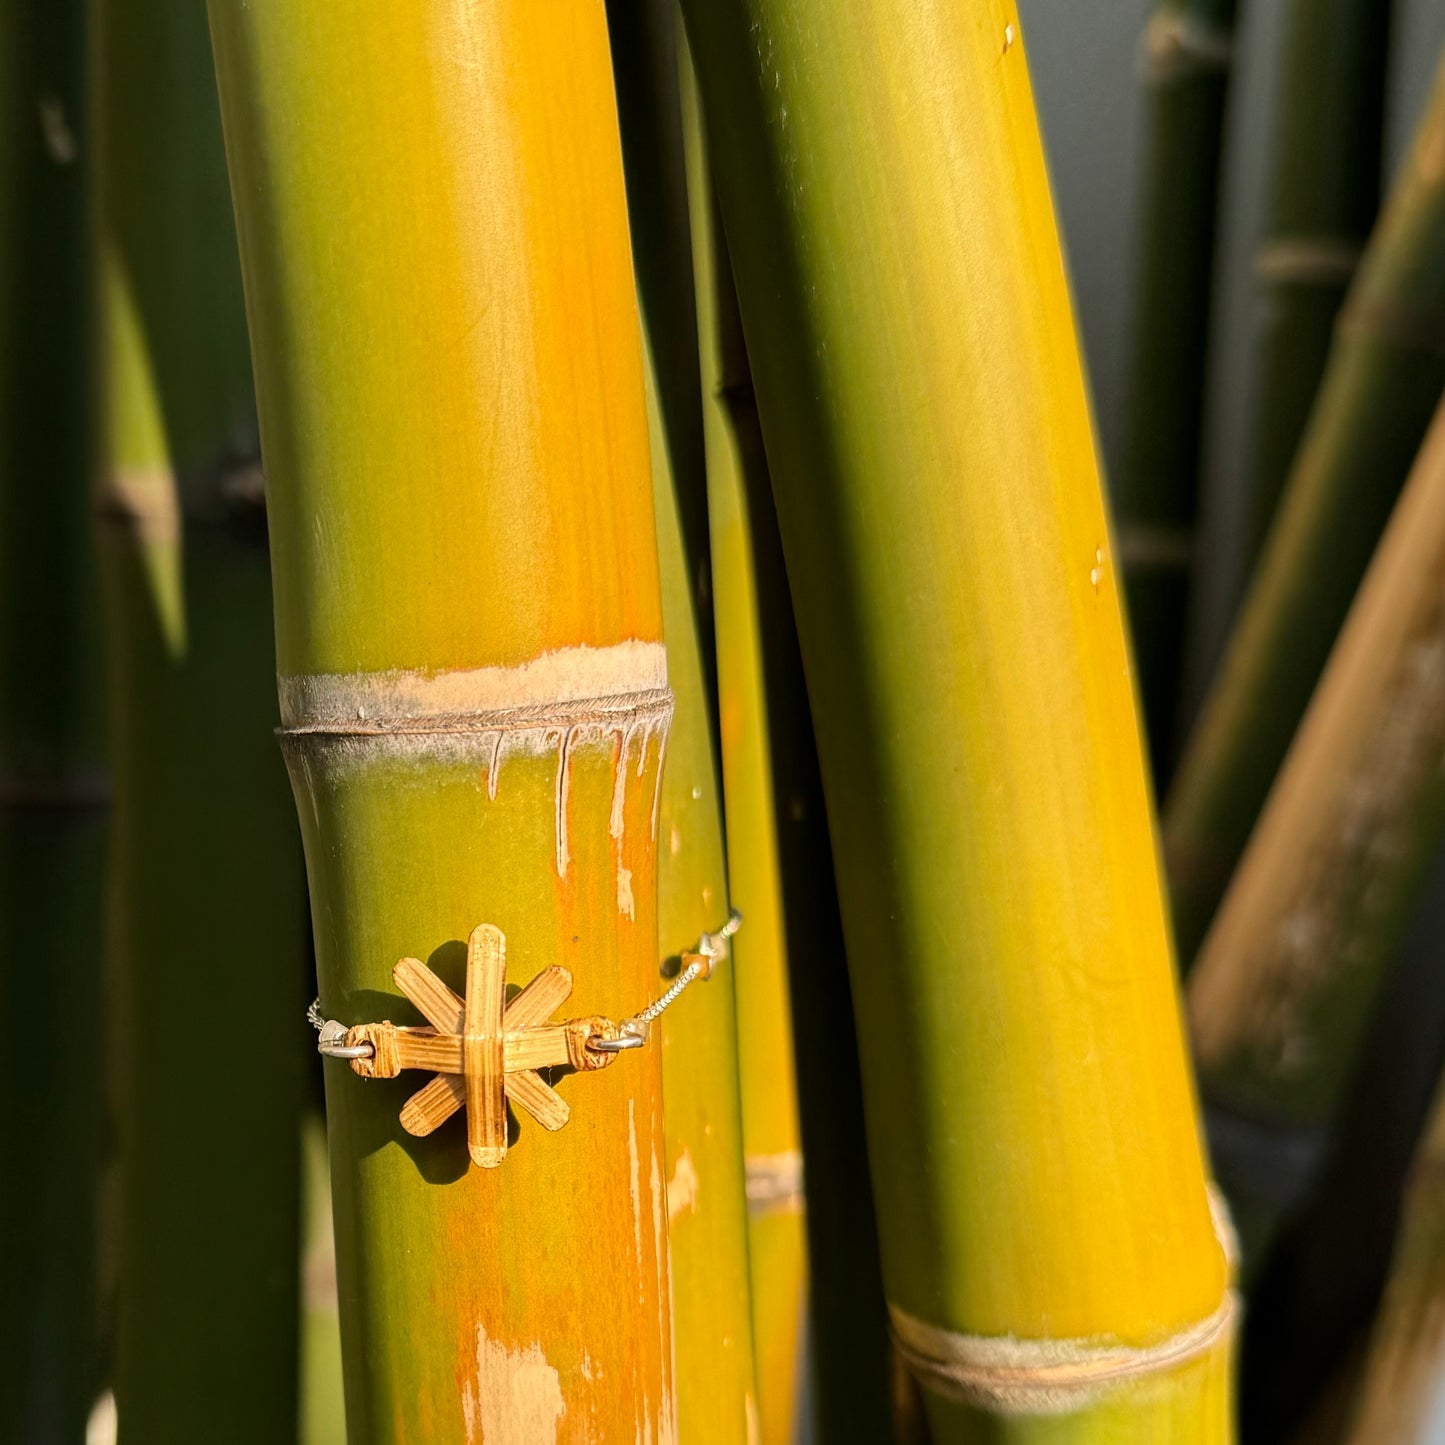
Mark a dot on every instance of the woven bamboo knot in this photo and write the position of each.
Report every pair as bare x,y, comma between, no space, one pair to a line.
484,1050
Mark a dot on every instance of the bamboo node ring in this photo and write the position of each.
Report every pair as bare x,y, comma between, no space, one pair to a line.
485,1051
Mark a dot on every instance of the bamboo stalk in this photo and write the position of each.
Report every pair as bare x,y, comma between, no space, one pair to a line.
52,787
206,884
1384,376
777,821
708,1234
777,1238
469,648
1048,1249
707,1238
1398,1401
1287,976
1324,196
1185,62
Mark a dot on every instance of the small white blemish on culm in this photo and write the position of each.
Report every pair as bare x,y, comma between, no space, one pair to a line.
682,1187
618,817
1008,38
517,1396
674,842
625,904
1096,572
564,755
696,794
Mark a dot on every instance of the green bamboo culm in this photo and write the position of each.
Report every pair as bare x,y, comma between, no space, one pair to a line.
1385,373
1323,199
782,879
716,1386
1185,60
1052,1267
643,37
207,887
716,1390
1289,974
52,786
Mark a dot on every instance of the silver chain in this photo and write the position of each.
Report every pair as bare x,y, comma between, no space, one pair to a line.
712,947
631,1032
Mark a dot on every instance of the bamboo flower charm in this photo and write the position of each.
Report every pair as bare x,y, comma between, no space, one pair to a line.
484,1050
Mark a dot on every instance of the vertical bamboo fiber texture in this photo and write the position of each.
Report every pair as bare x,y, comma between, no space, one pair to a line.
471,667
903,298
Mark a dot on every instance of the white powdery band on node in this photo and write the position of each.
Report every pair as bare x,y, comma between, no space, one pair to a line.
1045,1377
558,702
602,678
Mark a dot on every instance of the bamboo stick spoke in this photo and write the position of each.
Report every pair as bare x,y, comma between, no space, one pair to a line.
483,1048
430,1107
439,1006
540,1100
536,1003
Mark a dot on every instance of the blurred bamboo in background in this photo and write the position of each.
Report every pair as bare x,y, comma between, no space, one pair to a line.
1185,63
1323,198
1288,975
53,790
1384,377
207,917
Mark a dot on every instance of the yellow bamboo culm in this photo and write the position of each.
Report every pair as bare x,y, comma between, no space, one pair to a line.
472,674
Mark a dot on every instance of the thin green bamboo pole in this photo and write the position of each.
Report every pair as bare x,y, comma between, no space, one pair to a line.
708,1239
473,681
782,877
1185,62
1323,199
771,1129
643,36
52,789
706,1194
1287,976
1385,374
1399,1396
206,887
1048,1248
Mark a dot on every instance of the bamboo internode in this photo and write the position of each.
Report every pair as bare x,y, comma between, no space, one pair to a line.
888,217
452,414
